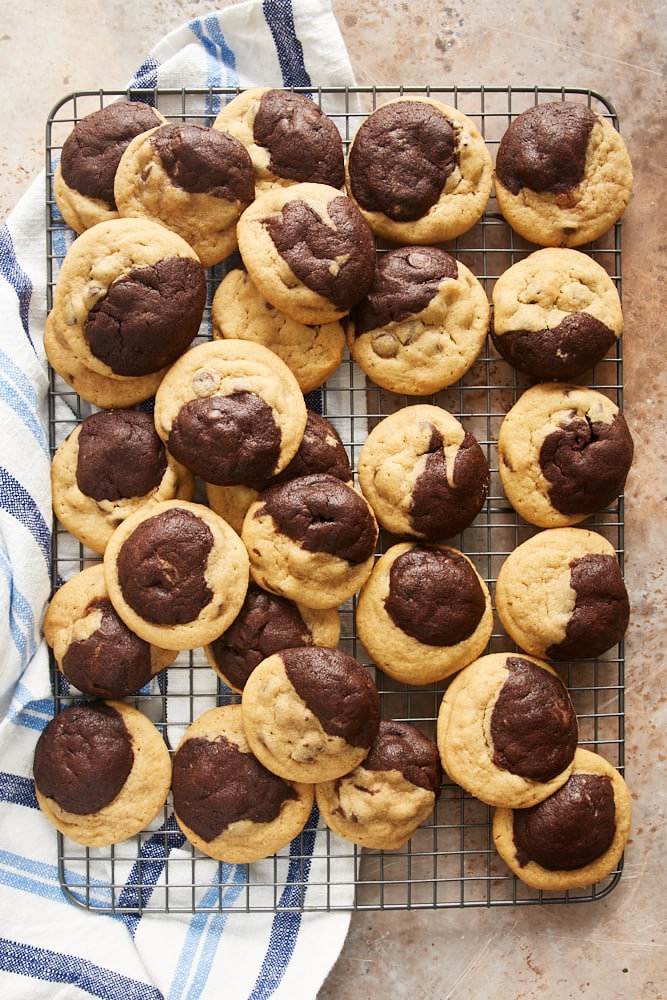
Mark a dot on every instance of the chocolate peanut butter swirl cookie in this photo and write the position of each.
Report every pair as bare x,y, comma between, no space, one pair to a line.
419,170
176,573
190,178
83,180
231,411
561,595
563,174
102,772
289,137
424,612
310,713
311,539
128,301
227,803
384,799
423,322
556,313
93,648
573,838
308,250
507,730
423,473
564,453
112,463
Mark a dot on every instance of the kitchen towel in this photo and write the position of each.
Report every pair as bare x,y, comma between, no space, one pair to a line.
50,947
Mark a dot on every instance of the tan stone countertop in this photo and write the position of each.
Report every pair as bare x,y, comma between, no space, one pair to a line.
615,946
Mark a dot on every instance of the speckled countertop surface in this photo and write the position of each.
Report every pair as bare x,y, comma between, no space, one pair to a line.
616,946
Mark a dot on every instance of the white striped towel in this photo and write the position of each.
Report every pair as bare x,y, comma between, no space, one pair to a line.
48,946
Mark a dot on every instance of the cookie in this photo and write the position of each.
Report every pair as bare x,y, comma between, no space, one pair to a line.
507,730
422,324
380,804
239,311
266,624
311,539
419,171
564,453
321,450
228,805
560,595
556,313
129,298
311,713
112,463
575,837
190,178
423,473
93,648
176,573
102,772
288,136
424,612
563,175
230,411
308,250
83,179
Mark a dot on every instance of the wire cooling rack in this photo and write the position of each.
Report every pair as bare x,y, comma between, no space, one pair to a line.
450,861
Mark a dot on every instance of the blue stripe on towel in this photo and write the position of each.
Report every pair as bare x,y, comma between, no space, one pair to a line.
14,274
287,923
147,869
55,967
280,19
204,933
220,58
15,499
17,790
146,78
19,393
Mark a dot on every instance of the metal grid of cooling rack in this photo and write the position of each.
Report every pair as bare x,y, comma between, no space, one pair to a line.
450,861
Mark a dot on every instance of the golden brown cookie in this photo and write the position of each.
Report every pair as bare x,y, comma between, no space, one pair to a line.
226,802
308,250
424,612
311,539
93,647
422,324
239,311
176,573
190,178
289,138
563,175
556,313
111,464
230,411
564,452
321,450
560,595
83,181
102,772
310,713
575,837
266,624
381,802
419,170
128,300
423,473
507,730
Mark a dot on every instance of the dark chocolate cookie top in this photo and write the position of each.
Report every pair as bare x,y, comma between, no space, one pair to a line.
303,142
120,455
400,746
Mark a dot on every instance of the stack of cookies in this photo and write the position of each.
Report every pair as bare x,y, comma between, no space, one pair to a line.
222,513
